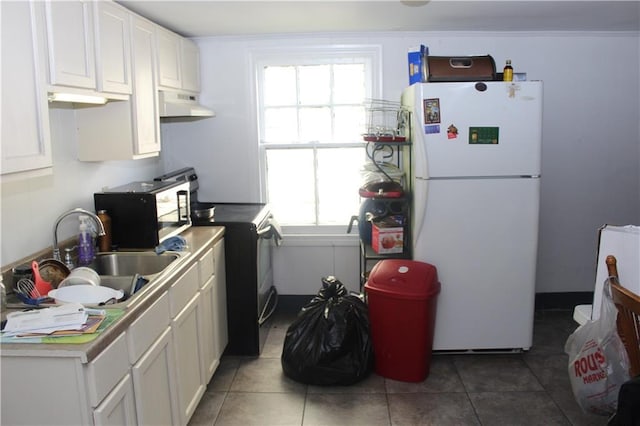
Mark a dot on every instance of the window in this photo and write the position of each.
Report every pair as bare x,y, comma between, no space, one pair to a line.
311,112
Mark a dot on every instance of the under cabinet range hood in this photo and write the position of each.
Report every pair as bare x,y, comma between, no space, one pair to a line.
178,104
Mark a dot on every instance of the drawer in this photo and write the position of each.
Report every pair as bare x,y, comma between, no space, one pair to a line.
183,290
107,369
207,266
119,407
147,327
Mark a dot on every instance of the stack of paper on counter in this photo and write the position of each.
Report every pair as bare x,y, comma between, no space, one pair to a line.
64,320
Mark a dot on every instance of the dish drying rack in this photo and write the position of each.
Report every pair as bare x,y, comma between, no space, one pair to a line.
387,121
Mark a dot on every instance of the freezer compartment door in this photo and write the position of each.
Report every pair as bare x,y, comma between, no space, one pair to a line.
482,237
476,129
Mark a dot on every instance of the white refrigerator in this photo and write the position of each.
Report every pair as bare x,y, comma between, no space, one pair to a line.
475,153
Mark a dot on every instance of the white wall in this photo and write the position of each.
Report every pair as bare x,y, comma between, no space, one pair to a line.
30,207
591,146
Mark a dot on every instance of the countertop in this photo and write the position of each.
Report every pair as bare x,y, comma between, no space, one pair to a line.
197,239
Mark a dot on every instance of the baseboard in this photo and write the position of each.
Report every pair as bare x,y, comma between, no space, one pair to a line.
292,302
543,301
567,300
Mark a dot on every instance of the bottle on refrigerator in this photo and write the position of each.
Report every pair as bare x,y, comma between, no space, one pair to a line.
507,73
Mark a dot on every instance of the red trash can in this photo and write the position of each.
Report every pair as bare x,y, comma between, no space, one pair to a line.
402,296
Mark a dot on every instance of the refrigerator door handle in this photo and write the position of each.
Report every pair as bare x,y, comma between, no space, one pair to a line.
480,177
420,200
420,166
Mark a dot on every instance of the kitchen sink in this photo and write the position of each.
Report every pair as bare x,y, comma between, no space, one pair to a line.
122,270
120,283
128,264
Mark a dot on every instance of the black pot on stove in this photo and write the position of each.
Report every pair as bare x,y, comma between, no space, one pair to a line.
202,210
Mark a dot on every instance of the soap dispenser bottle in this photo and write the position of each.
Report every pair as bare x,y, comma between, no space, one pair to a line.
86,246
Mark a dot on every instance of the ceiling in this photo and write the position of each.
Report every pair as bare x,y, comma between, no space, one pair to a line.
245,17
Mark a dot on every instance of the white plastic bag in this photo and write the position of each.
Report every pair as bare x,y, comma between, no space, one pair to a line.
598,362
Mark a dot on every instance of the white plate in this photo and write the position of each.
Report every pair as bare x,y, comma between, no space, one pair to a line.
86,294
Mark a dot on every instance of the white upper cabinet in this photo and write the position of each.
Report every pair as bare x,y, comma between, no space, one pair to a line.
126,130
178,62
26,143
71,44
145,101
190,66
169,60
86,47
89,46
113,48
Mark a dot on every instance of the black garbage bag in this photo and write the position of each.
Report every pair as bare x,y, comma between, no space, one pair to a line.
628,411
329,342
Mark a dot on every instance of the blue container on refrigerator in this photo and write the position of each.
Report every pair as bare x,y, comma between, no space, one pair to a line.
417,58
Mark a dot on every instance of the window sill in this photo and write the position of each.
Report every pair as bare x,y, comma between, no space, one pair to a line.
320,240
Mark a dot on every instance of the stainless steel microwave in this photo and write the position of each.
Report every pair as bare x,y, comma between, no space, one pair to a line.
143,214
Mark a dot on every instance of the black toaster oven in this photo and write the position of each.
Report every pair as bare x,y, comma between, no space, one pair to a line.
143,214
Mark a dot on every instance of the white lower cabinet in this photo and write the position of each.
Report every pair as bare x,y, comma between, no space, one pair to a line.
118,408
214,308
219,302
154,373
56,383
188,333
36,388
106,370
153,365
209,361
171,377
154,383
109,385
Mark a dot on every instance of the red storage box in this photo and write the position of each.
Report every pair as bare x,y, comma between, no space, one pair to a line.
387,235
402,296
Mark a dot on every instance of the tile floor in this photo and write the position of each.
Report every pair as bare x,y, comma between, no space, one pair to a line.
484,389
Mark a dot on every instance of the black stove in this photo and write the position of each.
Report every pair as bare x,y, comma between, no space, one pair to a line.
251,233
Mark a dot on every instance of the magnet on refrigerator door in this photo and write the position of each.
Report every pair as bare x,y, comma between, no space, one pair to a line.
431,111
432,129
452,132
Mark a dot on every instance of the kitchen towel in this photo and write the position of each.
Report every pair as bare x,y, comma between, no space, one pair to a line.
176,243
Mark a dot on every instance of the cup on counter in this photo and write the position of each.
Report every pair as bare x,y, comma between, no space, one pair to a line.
81,275
19,272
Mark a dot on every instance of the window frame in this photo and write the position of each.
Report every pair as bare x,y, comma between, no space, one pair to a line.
310,55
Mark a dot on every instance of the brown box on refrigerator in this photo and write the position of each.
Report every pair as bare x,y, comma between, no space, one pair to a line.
460,68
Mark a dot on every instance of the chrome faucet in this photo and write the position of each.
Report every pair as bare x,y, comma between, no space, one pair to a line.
96,219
